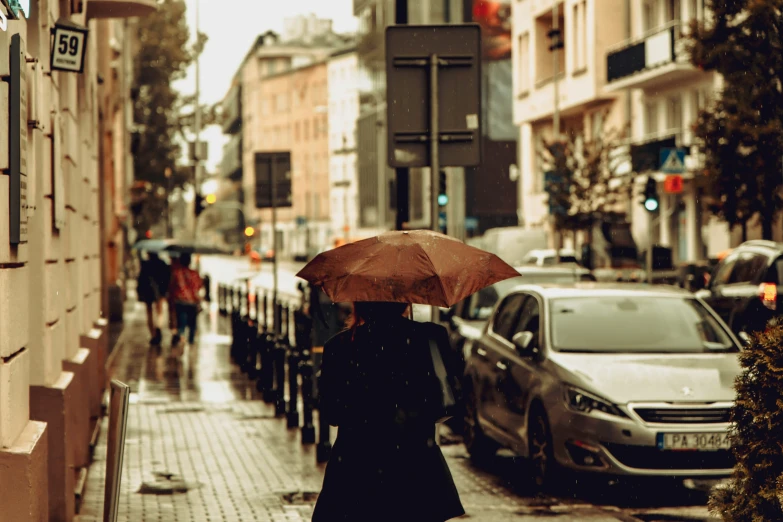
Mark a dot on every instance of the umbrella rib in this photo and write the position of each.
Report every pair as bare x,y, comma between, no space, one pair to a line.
435,271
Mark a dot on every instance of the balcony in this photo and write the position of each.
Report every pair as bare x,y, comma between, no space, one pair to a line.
231,165
232,111
657,59
120,8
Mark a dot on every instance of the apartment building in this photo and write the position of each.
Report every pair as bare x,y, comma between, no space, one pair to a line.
266,119
666,93
64,179
343,94
588,29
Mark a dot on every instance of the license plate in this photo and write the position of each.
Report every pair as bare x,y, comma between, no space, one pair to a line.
694,441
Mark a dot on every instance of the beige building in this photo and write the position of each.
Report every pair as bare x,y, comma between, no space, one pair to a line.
588,28
55,278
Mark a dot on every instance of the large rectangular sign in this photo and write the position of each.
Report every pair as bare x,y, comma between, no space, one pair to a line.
410,50
273,176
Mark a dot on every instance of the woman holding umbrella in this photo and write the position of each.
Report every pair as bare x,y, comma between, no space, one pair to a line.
384,380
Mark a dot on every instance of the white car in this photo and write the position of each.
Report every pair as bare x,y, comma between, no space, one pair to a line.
546,257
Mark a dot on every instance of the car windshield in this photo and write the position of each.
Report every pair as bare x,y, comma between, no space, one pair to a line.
635,324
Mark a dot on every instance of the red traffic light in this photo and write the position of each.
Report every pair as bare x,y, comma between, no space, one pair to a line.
148,234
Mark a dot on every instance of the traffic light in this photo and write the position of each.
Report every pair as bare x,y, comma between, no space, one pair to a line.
249,231
443,196
211,199
650,200
200,204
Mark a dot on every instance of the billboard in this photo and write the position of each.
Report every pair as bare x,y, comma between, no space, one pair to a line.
494,17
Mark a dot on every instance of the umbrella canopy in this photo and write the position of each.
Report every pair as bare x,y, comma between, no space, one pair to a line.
152,245
419,267
193,247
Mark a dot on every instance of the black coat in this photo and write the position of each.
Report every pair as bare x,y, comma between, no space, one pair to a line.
378,386
154,278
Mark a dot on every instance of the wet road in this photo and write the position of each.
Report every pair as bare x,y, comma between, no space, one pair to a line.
497,492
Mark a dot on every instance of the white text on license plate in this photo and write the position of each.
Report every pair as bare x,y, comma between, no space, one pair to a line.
694,441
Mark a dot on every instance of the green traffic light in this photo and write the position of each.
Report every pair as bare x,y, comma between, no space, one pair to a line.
443,200
651,204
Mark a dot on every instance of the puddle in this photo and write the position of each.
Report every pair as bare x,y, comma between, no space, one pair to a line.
165,483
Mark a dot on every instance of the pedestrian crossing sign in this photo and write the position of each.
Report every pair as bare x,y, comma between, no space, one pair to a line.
672,160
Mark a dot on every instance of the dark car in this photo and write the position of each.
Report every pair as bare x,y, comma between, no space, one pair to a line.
744,288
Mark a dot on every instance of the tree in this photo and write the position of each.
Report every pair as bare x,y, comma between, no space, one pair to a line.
162,58
588,178
741,132
753,494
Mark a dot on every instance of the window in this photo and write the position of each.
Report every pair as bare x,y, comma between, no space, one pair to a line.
723,272
523,65
748,269
651,117
674,113
580,36
528,318
650,325
271,67
506,315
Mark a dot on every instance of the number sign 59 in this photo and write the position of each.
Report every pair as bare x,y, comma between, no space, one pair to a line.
68,49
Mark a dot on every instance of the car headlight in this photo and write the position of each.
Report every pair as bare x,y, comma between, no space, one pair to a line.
581,401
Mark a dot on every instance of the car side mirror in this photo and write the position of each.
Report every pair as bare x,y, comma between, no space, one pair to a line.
745,338
704,293
522,341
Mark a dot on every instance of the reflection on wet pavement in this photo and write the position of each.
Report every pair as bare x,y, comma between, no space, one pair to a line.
199,373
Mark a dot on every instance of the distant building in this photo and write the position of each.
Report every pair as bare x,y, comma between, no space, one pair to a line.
343,89
263,112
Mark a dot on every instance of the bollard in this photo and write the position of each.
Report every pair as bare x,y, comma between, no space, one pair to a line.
306,370
266,382
279,357
324,447
220,298
234,324
293,375
242,350
207,288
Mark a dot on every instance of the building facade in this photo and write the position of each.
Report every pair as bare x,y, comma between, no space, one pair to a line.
62,195
588,28
666,92
270,118
342,72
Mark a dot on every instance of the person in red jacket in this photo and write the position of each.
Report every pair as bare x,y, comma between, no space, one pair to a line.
184,292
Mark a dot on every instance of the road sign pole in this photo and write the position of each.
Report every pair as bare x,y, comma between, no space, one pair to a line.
434,143
649,263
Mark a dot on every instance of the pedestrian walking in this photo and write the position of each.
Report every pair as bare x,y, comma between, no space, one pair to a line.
378,387
153,284
387,381
184,294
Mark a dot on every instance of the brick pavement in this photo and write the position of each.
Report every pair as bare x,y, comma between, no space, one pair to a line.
201,447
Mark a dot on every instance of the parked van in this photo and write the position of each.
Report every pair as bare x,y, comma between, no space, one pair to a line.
512,244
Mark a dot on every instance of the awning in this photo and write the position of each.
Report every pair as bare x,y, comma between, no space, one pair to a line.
120,8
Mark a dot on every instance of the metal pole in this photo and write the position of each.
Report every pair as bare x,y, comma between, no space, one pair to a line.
273,175
649,256
197,113
434,142
556,116
381,166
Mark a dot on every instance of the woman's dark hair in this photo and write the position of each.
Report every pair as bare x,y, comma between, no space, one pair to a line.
374,311
184,259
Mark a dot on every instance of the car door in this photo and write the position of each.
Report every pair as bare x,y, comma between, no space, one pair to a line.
517,372
488,352
715,297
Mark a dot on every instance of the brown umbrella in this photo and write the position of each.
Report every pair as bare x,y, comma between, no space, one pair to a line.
419,267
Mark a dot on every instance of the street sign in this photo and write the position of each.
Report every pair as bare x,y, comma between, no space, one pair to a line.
68,47
277,179
672,160
419,59
672,184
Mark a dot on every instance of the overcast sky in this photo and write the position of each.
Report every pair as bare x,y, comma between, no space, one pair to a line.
232,26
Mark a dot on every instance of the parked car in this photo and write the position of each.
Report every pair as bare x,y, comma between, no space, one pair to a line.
466,319
547,257
619,379
745,287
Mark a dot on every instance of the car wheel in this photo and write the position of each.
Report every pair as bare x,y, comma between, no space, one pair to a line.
480,447
541,454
